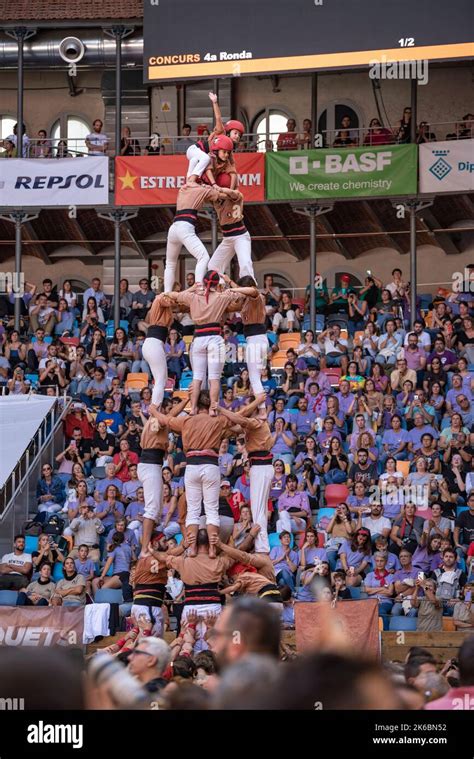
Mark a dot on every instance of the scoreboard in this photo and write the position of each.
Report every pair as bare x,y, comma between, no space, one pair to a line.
186,39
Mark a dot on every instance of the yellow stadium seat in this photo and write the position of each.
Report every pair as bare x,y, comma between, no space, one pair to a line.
358,337
403,467
279,360
289,340
187,341
136,381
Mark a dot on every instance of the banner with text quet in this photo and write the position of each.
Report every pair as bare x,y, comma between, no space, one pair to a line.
54,182
155,180
342,172
41,626
447,166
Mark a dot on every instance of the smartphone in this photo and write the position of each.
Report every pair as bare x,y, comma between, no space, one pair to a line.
421,575
415,397
369,272
72,443
468,596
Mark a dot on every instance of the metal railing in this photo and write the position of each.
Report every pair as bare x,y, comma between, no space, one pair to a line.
19,478
273,141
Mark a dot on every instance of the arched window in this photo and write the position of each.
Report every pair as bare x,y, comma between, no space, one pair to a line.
74,130
6,126
339,117
268,125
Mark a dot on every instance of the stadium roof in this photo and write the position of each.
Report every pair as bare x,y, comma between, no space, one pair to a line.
273,227
52,10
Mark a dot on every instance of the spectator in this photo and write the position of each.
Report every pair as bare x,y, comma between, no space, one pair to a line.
128,144
49,491
71,591
86,529
42,146
26,141
288,140
377,134
40,591
41,315
457,697
148,662
305,139
430,608
285,561
402,131
424,134
184,142
15,567
97,142
123,460
378,584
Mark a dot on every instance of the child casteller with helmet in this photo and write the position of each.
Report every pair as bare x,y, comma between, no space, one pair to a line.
204,156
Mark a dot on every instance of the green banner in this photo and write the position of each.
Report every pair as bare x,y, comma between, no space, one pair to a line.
342,172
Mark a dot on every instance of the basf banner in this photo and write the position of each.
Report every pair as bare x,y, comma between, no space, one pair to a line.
342,173
54,182
447,166
155,180
185,38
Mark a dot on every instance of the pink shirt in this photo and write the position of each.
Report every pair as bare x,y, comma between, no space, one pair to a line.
456,699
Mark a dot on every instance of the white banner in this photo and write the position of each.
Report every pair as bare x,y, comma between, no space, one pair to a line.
54,181
447,166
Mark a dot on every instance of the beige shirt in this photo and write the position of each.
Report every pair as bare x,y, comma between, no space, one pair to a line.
79,580
45,590
258,436
253,311
196,197
200,569
154,435
200,432
212,310
229,211
160,313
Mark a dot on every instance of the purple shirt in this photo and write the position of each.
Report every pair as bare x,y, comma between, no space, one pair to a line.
129,489
304,422
297,502
403,574
371,581
416,433
446,357
134,509
84,567
280,445
310,554
323,382
395,439
273,416
353,558
317,404
278,486
425,562
451,398
413,358
324,437
346,402
277,552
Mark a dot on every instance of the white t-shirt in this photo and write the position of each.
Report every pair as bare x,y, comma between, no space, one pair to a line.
69,297
330,347
43,314
44,361
18,560
98,139
424,340
376,525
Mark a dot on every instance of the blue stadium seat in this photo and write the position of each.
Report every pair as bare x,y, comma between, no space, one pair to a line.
178,537
31,543
108,596
460,509
57,573
355,593
8,597
397,624
274,540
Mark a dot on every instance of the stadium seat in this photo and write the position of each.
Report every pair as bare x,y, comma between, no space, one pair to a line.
274,540
448,624
358,337
300,302
460,509
324,517
355,593
403,467
8,597
187,339
108,596
279,360
31,543
333,374
397,624
136,381
178,537
57,573
289,340
335,494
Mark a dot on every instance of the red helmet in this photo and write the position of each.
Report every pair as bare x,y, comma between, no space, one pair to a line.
223,180
221,142
234,124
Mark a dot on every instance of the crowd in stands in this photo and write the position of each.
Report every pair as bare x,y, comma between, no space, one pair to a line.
372,428
97,142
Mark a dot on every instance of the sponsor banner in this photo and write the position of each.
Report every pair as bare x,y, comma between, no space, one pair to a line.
155,180
54,182
41,626
447,166
342,173
357,621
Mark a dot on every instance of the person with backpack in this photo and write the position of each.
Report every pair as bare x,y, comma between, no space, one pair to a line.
449,581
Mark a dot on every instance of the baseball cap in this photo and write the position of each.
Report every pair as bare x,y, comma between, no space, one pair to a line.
225,483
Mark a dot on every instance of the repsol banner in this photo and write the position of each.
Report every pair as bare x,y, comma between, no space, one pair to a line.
155,180
342,173
41,626
54,182
447,166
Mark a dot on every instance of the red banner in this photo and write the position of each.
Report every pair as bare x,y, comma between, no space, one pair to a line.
155,180
351,624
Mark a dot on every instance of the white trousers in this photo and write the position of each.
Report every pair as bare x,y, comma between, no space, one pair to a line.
208,357
154,354
151,613
256,359
152,481
183,233
281,322
202,485
239,245
289,523
260,482
198,161
202,610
